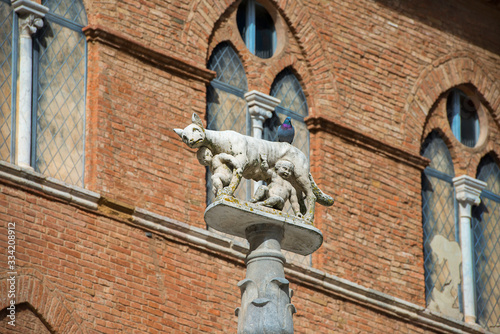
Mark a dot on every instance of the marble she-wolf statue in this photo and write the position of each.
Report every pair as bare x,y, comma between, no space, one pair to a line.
247,152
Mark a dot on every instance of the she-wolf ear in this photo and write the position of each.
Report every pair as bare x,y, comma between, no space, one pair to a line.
197,120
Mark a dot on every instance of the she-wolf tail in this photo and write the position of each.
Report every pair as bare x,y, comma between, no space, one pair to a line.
321,197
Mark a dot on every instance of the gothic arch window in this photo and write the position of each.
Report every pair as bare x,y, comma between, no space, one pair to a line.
58,92
226,105
439,223
486,234
287,88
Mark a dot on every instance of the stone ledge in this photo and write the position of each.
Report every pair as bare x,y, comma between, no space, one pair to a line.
214,242
50,186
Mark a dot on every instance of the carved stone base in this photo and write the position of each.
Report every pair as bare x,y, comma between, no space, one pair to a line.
232,216
265,294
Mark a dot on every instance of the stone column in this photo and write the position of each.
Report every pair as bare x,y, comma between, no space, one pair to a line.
260,107
265,294
467,191
31,15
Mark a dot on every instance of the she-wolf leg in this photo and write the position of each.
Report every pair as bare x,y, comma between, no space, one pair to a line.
310,198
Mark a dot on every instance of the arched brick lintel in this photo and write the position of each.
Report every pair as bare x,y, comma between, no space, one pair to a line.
317,76
437,79
43,299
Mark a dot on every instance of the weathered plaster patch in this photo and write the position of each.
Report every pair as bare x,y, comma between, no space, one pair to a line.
445,300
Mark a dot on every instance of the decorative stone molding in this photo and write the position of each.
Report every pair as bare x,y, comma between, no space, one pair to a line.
468,189
261,107
27,7
29,25
31,14
26,177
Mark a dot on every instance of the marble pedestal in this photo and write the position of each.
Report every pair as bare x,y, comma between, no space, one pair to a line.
265,294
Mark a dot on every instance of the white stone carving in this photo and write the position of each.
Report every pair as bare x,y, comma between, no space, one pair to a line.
247,152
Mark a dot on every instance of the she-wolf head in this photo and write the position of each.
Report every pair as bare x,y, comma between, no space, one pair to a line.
193,135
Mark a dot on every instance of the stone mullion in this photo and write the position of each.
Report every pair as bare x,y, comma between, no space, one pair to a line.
31,17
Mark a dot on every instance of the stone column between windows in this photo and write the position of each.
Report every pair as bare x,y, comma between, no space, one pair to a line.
30,20
260,107
467,191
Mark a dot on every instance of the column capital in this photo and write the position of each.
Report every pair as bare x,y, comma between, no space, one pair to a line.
261,105
31,14
27,7
468,189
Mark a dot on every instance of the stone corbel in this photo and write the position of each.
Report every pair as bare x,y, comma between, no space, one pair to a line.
261,107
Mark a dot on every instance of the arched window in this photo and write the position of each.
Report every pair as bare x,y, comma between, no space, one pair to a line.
257,29
440,226
287,88
486,229
463,117
58,92
60,68
226,105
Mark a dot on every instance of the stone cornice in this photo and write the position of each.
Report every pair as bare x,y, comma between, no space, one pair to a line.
317,124
222,246
117,40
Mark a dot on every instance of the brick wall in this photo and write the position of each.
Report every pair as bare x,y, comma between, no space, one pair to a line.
134,155
80,271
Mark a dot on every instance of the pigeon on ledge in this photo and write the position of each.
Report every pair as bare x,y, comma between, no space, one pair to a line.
286,132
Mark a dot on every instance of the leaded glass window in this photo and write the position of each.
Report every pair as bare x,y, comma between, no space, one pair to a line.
226,105
8,63
59,83
440,224
60,52
287,88
486,232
